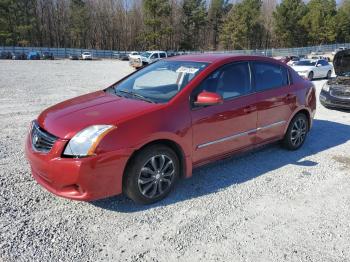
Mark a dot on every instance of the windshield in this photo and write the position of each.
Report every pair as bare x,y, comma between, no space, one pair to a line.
160,81
305,63
145,54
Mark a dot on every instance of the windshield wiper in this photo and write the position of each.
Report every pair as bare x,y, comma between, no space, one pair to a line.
141,97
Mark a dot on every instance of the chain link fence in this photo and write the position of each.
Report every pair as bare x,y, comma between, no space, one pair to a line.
66,52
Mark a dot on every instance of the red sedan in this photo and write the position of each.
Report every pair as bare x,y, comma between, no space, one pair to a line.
153,127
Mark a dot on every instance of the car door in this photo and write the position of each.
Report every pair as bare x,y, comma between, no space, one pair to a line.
319,70
154,57
162,55
323,68
229,126
276,100
327,67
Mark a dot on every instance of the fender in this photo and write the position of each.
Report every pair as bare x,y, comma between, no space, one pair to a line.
181,143
296,111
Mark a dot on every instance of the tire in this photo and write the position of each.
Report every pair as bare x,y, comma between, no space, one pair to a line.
296,133
310,76
329,74
151,174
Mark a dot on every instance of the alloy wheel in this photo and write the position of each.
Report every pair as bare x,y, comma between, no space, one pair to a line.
156,176
299,131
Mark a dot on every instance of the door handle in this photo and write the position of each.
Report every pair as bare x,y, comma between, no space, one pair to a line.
249,109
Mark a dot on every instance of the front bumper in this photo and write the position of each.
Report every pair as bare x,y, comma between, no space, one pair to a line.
304,75
328,100
83,179
135,63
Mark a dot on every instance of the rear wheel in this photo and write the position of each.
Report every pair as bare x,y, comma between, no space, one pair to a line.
310,76
151,174
296,133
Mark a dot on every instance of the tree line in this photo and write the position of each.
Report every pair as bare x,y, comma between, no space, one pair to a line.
173,24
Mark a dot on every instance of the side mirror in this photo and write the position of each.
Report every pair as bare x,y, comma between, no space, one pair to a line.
318,65
208,99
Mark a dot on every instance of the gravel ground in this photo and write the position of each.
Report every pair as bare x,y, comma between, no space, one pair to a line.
269,205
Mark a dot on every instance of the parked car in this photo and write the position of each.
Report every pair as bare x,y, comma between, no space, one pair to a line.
171,53
124,56
320,57
294,60
143,133
341,48
74,57
132,53
47,56
336,91
146,58
318,52
312,69
287,59
33,55
86,56
284,59
19,56
5,55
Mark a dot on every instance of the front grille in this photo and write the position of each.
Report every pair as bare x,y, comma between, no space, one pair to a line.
42,141
342,93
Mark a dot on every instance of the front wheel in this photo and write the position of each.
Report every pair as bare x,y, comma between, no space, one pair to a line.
310,76
296,132
151,174
329,74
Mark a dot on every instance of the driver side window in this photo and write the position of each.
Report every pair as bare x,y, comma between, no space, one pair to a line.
229,81
154,56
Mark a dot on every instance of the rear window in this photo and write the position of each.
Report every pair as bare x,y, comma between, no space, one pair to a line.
162,55
269,76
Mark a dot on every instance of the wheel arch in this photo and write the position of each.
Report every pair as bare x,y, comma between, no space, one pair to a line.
169,143
304,111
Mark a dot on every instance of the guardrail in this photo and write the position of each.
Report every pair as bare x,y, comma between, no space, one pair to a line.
65,52
61,52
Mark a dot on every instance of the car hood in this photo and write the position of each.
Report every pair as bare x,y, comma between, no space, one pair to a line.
65,119
142,58
135,56
341,63
299,68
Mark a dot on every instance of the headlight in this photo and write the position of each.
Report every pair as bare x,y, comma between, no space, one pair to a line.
85,142
326,87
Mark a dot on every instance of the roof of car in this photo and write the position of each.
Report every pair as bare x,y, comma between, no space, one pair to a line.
212,58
